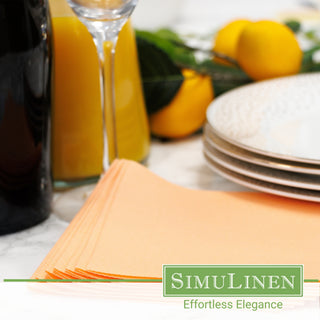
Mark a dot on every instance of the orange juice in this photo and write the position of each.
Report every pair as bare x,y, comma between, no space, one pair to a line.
77,117
77,122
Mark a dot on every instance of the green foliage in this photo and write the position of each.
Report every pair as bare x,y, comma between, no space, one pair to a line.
167,40
224,77
308,64
294,25
161,76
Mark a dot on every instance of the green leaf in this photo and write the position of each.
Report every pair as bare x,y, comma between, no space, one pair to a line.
165,39
308,65
224,77
294,25
312,35
168,34
221,87
161,77
221,70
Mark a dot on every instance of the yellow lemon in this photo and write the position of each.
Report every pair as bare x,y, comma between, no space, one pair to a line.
226,40
268,49
187,111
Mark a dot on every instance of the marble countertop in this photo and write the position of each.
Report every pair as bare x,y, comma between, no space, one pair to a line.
180,162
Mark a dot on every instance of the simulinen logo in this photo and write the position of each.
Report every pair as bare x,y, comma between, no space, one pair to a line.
233,280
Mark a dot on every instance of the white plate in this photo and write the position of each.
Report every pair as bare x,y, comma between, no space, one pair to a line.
278,118
255,158
296,180
295,193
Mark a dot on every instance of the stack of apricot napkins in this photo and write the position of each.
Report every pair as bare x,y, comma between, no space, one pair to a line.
134,222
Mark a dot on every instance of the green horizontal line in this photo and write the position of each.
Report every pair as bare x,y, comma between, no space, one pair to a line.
108,280
82,280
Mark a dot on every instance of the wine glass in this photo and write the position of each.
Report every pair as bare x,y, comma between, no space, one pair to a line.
104,19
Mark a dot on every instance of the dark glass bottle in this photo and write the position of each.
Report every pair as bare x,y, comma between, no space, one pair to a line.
25,179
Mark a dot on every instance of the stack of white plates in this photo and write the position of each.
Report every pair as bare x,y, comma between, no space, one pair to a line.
266,136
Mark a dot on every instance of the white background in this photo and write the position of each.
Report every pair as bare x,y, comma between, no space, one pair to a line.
179,162
130,301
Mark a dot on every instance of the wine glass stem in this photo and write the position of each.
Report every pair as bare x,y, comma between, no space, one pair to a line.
106,50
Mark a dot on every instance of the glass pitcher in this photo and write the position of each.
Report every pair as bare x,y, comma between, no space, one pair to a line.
77,118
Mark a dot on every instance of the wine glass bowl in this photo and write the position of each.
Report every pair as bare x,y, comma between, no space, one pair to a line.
103,10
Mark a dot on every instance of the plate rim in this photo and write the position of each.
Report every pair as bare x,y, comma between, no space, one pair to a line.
261,185
259,159
257,175
262,152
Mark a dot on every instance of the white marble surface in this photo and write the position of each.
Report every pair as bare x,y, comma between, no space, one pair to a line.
180,162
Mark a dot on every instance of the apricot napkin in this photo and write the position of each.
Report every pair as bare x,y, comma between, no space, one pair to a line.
134,222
